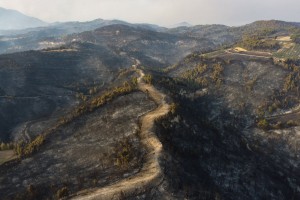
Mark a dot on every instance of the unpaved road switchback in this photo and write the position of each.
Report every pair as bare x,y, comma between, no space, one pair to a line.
150,174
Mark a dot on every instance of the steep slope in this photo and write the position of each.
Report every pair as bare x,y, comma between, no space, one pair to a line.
150,174
11,19
220,141
96,137
82,154
37,83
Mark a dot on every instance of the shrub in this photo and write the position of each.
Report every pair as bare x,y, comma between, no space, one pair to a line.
292,123
6,146
254,42
23,149
289,83
34,145
278,125
124,152
134,81
173,108
216,74
19,148
263,124
148,79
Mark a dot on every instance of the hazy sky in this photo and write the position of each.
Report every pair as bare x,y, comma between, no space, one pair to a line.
162,12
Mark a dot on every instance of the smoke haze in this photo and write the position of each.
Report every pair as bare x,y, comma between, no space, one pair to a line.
162,12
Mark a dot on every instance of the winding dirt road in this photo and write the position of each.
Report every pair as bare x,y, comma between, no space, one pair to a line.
150,174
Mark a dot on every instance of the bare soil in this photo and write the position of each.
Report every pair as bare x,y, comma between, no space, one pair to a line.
6,156
284,39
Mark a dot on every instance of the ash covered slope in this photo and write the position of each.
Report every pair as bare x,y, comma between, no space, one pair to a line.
11,19
222,140
34,84
233,132
82,155
152,48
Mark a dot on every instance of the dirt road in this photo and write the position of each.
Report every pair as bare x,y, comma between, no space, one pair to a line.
150,174
250,54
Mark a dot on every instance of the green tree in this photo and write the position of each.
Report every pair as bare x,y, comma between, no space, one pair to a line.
263,124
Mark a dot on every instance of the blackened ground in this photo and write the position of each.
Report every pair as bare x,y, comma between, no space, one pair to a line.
209,161
212,152
82,154
35,84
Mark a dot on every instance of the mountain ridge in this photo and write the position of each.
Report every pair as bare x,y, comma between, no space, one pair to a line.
14,20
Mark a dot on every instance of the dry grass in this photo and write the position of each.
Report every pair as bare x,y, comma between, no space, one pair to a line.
239,49
6,156
284,39
288,45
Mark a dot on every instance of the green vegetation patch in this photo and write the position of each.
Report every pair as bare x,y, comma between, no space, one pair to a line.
23,150
258,43
263,124
148,79
203,74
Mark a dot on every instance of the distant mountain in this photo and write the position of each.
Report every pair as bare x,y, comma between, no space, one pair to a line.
62,28
11,20
39,37
77,27
198,37
65,28
181,24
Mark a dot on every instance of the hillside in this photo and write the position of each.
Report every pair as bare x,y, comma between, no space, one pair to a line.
128,111
236,124
35,84
150,47
12,20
